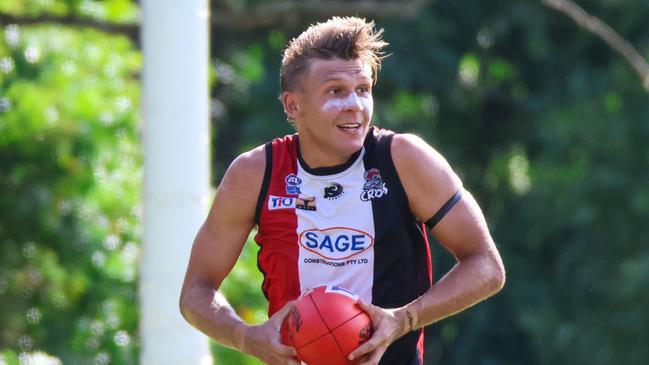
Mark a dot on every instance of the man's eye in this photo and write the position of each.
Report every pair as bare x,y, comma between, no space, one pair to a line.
334,91
364,89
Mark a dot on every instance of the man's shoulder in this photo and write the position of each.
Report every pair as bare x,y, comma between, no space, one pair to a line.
412,155
247,168
426,176
410,147
254,161
399,142
251,159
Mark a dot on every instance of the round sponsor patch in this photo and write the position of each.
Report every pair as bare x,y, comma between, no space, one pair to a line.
336,243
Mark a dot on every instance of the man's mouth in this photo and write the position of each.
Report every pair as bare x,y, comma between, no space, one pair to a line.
349,126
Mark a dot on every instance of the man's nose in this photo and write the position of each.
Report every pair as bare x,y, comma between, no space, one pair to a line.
353,103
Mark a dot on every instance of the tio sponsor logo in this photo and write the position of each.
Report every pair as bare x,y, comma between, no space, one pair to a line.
337,243
280,202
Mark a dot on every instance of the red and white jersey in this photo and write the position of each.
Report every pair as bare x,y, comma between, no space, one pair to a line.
348,226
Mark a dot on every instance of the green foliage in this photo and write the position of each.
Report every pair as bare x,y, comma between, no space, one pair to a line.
545,124
69,188
9,358
118,11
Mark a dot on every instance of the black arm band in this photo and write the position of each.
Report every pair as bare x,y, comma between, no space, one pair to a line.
444,209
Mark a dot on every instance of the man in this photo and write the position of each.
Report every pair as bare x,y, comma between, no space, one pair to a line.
340,203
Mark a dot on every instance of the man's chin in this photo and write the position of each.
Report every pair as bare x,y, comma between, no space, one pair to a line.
352,146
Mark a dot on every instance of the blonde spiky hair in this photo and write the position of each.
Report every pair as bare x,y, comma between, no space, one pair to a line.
339,37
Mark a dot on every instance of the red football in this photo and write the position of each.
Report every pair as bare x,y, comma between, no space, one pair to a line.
326,325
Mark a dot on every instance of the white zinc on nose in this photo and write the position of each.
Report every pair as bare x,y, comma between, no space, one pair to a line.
351,101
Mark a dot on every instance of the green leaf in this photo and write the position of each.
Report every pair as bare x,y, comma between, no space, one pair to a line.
8,357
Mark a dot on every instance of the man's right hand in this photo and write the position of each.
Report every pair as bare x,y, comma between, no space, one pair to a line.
215,251
264,341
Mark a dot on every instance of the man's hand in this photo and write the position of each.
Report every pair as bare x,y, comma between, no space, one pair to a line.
264,341
389,325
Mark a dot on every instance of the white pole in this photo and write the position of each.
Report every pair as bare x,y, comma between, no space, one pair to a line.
176,172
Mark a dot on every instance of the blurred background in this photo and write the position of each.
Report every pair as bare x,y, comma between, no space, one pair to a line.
546,123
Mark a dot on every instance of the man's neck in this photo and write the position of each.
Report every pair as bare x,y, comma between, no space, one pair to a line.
322,162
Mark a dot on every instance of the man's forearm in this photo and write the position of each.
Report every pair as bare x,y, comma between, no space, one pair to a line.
209,311
472,280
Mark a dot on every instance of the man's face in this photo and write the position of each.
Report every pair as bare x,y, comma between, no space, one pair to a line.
332,109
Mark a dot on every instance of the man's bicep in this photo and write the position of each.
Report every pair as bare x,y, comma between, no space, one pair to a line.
221,238
463,230
215,253
426,176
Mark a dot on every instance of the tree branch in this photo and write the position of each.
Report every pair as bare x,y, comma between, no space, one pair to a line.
266,14
602,30
131,31
290,12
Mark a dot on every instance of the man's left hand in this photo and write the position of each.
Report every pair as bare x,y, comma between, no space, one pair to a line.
389,325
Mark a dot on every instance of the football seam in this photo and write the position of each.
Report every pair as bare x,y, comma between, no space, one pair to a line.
331,329
323,322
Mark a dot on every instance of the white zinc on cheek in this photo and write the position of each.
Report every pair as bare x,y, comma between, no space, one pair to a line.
352,100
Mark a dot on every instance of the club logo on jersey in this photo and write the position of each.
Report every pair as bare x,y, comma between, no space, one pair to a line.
305,203
333,191
374,186
336,243
280,202
292,184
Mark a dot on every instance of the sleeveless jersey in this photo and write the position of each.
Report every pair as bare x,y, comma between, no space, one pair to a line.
348,226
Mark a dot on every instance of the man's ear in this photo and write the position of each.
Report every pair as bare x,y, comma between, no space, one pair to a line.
290,100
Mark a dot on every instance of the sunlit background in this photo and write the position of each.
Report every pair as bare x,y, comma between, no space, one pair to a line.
545,122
